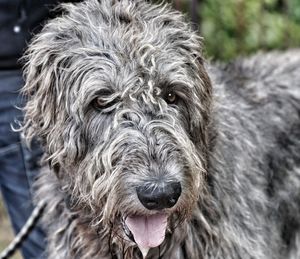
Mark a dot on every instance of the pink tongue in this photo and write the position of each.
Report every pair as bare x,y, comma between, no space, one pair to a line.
148,231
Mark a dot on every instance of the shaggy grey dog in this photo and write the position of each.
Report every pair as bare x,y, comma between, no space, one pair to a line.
153,153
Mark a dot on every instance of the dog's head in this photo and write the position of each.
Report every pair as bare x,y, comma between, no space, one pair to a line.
120,100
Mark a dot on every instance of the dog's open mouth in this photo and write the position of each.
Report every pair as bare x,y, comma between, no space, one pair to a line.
148,231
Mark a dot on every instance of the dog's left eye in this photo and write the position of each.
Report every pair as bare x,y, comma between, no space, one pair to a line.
171,98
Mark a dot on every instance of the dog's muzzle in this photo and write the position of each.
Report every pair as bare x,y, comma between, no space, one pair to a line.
149,230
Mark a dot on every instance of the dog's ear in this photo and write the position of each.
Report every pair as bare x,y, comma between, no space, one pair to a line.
200,115
42,86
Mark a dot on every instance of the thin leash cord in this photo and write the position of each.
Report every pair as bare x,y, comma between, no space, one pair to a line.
24,232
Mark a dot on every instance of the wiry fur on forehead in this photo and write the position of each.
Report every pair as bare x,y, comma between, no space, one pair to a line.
120,44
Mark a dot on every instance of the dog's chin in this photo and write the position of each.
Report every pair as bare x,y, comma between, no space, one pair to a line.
147,231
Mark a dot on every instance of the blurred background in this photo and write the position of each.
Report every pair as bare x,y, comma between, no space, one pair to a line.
233,28
230,28
6,234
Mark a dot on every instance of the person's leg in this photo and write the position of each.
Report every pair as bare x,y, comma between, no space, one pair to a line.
15,163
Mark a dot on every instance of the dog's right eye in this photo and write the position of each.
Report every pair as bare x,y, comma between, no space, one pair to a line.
104,101
100,103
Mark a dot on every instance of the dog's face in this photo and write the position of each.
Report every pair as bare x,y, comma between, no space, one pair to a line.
119,98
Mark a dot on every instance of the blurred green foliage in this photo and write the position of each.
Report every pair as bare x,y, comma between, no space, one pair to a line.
239,27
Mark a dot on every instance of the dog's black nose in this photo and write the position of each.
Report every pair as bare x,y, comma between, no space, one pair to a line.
159,196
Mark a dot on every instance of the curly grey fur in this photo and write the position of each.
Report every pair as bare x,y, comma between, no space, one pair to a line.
233,141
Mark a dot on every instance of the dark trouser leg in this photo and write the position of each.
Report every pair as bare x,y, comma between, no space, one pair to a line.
16,164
